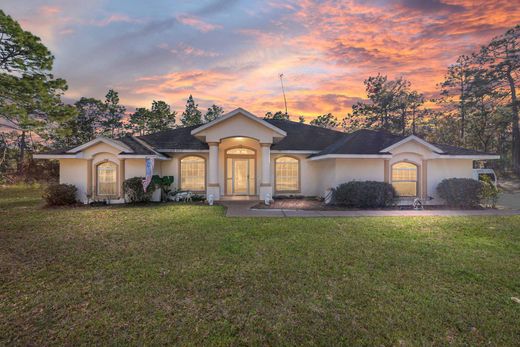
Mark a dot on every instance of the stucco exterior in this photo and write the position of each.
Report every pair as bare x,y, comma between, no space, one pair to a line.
317,174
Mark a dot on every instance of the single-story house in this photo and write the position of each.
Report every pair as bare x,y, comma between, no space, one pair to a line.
240,155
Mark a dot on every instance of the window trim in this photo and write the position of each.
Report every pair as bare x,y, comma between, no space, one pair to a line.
298,190
118,185
417,180
205,173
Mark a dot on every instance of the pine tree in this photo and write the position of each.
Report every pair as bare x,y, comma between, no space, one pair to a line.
191,115
112,121
213,113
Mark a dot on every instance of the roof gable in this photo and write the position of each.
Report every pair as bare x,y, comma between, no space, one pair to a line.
413,138
234,113
101,139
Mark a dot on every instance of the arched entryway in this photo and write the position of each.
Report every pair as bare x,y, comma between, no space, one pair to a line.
240,171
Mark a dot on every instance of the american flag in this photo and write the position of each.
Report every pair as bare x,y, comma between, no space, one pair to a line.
149,173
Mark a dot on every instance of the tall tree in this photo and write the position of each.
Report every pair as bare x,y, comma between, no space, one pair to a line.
191,115
88,123
20,51
386,107
502,58
161,117
277,115
137,122
213,113
325,121
144,121
455,87
112,121
30,97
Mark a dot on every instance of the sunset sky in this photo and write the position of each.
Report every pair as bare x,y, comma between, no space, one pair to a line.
230,52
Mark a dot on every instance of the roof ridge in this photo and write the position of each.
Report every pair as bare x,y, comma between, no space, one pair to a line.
304,124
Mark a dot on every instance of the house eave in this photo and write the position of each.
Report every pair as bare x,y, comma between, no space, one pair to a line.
472,156
58,156
352,156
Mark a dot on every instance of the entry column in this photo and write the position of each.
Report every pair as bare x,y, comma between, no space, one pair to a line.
266,186
213,186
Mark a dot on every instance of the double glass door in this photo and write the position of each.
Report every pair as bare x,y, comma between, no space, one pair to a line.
240,176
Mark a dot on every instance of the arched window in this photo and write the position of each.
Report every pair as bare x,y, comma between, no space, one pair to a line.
287,174
241,151
106,174
193,174
404,179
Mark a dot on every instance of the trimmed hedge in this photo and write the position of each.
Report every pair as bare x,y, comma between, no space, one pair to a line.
461,192
364,194
60,194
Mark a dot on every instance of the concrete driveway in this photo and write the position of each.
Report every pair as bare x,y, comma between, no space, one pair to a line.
509,200
243,209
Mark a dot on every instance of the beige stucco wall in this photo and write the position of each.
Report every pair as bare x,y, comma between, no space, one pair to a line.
440,169
171,167
316,177
100,148
359,170
238,126
74,171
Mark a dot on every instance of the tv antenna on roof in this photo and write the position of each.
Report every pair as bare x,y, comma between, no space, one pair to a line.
283,91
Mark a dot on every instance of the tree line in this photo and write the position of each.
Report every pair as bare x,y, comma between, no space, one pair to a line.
476,106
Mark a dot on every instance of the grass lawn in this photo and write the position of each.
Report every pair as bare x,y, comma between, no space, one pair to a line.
187,275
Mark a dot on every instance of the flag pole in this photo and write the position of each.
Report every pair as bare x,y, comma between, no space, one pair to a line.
283,92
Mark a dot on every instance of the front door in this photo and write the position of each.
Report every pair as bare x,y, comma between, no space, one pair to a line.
241,176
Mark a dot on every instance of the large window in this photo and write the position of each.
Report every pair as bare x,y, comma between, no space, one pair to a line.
193,174
107,179
404,179
287,174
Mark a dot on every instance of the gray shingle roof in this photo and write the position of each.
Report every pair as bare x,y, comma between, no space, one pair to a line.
138,149
362,142
300,137
373,142
304,137
179,138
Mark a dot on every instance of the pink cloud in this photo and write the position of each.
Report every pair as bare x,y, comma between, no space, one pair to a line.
197,23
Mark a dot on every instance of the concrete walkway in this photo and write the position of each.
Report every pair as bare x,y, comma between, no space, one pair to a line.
243,209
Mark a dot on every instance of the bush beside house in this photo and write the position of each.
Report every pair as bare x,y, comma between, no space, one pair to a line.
60,194
134,192
460,192
364,194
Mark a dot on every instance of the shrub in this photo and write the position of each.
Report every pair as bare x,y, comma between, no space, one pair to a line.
489,192
164,183
60,194
133,189
460,192
364,194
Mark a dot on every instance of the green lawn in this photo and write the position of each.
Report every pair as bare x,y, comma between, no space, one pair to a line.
164,274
